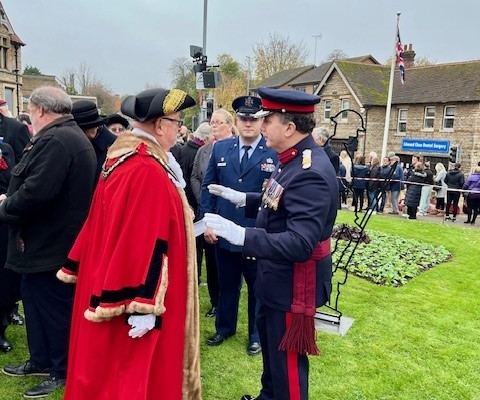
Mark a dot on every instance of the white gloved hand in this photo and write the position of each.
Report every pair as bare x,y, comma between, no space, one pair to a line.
233,196
233,233
140,324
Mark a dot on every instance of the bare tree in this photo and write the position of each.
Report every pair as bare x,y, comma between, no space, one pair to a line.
278,54
336,54
82,80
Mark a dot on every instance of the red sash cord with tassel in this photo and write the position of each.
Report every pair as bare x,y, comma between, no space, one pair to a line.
299,337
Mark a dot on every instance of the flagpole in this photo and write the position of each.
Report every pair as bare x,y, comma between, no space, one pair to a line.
390,93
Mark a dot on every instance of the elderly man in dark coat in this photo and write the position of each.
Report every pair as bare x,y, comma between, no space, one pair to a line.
46,204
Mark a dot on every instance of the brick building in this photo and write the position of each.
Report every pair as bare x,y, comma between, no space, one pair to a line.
436,109
10,64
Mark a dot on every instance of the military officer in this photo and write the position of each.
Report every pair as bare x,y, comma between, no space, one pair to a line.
290,240
245,164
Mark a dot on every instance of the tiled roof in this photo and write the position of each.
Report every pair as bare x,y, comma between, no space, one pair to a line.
283,77
368,81
312,76
315,75
455,82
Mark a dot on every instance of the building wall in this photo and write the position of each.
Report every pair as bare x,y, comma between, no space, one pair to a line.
336,90
31,82
8,76
465,133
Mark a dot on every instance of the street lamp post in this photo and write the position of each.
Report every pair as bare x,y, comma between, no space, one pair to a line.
319,36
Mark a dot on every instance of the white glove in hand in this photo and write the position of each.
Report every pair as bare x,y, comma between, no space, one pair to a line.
140,324
225,228
233,196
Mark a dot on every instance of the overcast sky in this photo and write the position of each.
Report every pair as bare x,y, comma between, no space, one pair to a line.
132,43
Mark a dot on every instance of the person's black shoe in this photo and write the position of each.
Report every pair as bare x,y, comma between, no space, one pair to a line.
45,388
27,369
15,318
215,340
247,397
5,345
254,348
466,222
211,313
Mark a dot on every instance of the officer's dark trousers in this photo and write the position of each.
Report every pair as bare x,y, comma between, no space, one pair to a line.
285,374
231,266
47,303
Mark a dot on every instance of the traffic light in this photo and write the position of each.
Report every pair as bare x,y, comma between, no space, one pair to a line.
454,154
209,106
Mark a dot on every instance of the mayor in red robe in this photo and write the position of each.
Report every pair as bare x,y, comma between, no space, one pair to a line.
135,328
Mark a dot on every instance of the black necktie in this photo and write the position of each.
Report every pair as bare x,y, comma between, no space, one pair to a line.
244,160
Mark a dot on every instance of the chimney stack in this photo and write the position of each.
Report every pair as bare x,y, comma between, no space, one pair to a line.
408,56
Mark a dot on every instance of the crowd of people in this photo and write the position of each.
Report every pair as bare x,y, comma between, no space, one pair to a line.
106,221
98,240
411,192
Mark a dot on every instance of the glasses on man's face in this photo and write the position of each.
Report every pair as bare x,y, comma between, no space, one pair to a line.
213,123
179,122
117,130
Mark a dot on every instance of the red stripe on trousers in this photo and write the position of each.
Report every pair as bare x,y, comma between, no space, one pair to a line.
292,366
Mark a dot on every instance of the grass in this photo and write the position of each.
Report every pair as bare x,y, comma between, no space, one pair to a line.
415,342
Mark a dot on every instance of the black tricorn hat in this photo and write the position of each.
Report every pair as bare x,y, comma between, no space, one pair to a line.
156,103
85,113
117,119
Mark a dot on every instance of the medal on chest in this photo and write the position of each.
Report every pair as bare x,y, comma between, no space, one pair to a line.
272,194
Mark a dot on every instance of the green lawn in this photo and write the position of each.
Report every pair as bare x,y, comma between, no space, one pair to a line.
416,342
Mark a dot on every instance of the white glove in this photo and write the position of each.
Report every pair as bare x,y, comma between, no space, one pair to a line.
233,233
140,324
233,196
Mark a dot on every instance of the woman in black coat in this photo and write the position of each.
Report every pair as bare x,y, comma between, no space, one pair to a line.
9,280
415,182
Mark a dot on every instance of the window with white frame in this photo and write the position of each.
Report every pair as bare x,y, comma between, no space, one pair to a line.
4,47
448,117
344,105
402,121
429,118
327,108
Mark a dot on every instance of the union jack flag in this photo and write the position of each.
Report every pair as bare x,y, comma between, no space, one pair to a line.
400,63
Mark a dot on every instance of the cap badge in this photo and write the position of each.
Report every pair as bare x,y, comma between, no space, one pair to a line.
249,102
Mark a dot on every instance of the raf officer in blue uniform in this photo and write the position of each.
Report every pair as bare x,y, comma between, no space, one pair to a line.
245,164
290,240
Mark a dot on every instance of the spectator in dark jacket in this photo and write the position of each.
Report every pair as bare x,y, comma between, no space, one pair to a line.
86,115
9,280
14,132
454,180
201,136
46,204
359,185
424,205
188,151
373,185
321,137
385,171
396,183
414,189
472,184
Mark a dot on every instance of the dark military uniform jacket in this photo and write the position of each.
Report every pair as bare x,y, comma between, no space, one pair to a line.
296,211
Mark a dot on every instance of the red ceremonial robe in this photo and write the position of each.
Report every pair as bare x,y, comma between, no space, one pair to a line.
131,256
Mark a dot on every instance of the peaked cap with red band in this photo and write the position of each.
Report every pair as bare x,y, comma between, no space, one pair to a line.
286,101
